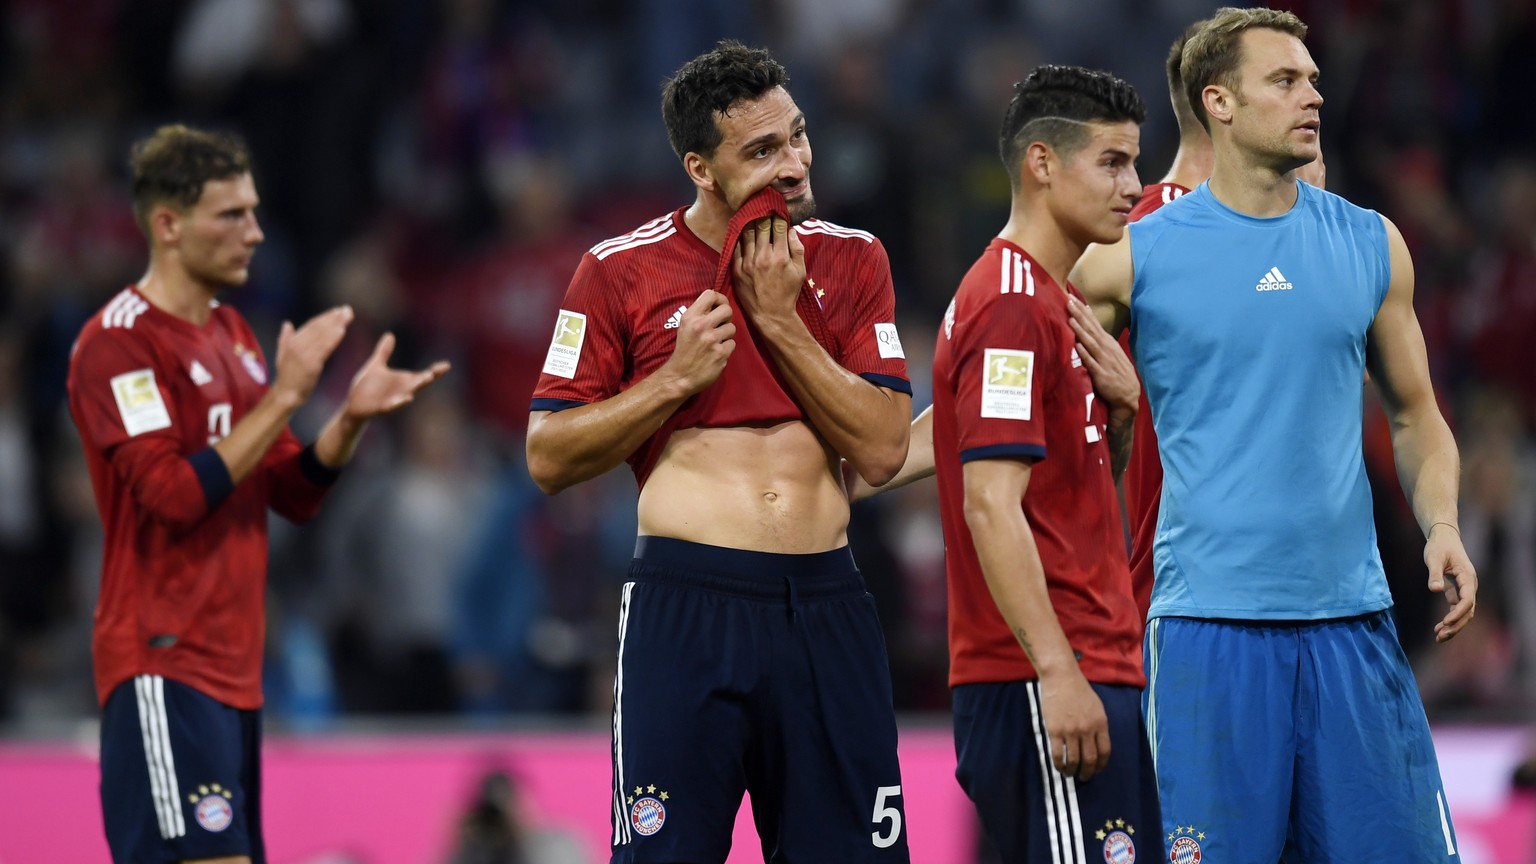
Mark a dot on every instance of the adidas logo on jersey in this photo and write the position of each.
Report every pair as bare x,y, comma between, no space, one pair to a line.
1274,280
676,320
200,376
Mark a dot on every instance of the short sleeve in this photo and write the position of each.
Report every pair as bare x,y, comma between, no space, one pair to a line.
872,348
585,360
1000,381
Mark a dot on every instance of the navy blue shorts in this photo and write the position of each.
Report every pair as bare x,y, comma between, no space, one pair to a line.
180,774
1295,742
759,673
1031,811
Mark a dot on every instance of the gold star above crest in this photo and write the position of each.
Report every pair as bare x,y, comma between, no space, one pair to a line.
1130,830
663,796
1099,834
1119,823
1171,836
638,790
630,800
1109,823
1201,835
651,789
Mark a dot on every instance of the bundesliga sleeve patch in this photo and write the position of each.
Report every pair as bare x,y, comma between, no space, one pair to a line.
565,346
1007,379
889,341
139,403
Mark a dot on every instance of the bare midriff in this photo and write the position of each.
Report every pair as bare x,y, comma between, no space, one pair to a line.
768,489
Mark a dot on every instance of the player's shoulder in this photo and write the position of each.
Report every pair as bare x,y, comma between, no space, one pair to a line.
1006,274
1336,206
118,321
649,237
1154,196
832,233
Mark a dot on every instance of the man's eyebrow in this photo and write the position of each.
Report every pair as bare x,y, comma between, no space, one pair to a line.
767,137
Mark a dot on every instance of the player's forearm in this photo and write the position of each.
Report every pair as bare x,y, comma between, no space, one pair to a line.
866,424
1428,467
1010,563
248,442
338,440
572,446
1122,426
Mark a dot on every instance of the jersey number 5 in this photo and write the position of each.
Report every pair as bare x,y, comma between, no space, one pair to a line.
218,422
884,812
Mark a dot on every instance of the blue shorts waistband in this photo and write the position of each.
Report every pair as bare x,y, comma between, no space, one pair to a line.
742,571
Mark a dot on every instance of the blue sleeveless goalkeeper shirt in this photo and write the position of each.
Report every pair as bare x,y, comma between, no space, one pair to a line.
1250,337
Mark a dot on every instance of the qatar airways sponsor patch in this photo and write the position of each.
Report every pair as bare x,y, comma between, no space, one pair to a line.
139,403
889,341
1007,384
565,345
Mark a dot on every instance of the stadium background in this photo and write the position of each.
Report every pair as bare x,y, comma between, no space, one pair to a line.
442,166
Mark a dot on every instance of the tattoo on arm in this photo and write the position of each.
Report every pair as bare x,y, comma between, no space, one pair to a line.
1029,651
1120,429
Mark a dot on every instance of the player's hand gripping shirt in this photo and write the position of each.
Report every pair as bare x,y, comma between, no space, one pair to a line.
1008,384
618,323
184,570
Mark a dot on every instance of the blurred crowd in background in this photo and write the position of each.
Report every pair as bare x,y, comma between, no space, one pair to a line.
442,165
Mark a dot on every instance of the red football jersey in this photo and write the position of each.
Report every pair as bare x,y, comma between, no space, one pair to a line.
1008,383
618,320
182,586
1144,473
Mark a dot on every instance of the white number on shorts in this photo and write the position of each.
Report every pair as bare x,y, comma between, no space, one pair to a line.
883,813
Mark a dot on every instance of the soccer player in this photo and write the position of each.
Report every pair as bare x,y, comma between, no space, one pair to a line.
1283,715
1191,167
1044,636
732,351
188,446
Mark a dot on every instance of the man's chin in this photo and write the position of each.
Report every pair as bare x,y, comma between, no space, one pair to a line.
801,209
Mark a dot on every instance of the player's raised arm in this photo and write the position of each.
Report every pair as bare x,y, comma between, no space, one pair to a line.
567,447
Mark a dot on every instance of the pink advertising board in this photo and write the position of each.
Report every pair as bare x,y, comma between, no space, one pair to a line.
373,799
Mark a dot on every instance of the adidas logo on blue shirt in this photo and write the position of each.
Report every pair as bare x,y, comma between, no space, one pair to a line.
1274,280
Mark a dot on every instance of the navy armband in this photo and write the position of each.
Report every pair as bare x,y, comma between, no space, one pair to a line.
1032,452
314,470
212,475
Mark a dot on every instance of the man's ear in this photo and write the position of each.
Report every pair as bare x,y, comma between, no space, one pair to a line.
1040,162
1219,103
164,224
700,172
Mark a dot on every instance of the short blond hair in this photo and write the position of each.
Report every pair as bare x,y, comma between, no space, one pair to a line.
1214,52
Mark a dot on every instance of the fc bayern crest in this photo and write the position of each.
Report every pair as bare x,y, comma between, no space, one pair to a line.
1119,848
647,815
214,813
252,364
1184,850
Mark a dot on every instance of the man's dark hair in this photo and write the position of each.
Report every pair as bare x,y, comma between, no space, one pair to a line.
173,164
708,85
1053,105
